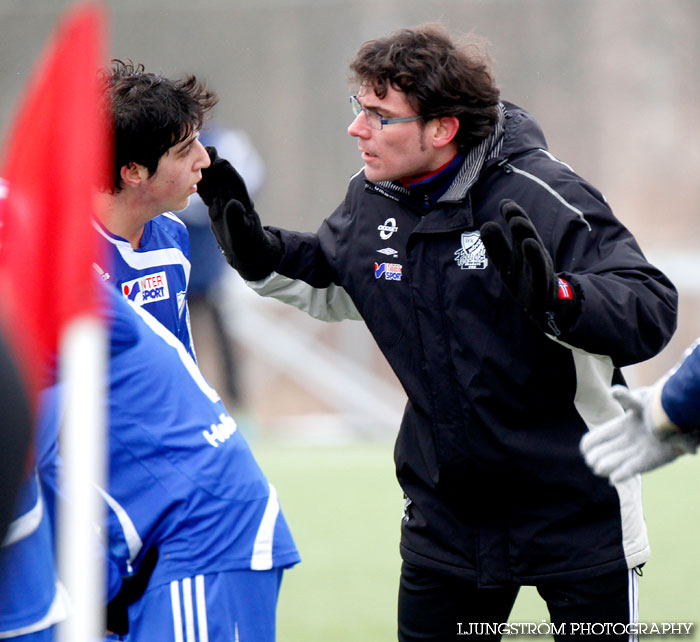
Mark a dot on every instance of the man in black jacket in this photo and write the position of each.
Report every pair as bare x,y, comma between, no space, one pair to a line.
506,296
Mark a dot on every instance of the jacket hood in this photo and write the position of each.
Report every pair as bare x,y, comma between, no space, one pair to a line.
522,132
516,132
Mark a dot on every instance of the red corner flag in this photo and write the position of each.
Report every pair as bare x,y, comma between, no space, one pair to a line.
57,153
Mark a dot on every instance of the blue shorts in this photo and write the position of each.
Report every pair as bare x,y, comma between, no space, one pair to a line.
239,606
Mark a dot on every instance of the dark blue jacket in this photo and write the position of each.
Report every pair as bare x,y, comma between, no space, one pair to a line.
680,396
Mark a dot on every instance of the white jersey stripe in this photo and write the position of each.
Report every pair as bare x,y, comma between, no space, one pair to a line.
173,217
131,535
59,610
177,615
188,609
24,525
144,260
174,342
262,548
201,609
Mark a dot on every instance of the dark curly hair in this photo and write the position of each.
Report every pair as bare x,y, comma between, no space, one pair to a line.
151,113
439,77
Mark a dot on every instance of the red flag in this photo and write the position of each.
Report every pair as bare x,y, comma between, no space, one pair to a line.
57,154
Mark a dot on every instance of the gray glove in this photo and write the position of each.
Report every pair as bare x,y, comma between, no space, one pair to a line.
635,442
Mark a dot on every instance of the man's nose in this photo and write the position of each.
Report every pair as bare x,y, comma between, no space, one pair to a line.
359,127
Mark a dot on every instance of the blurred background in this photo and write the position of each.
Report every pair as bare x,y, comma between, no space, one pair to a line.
616,88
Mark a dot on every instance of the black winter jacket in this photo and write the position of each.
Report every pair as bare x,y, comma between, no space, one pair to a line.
487,454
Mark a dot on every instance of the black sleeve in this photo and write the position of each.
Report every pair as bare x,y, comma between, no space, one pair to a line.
15,434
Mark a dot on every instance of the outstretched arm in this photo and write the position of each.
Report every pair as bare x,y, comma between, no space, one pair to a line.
661,422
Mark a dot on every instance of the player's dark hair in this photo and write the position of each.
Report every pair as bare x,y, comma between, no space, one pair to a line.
151,113
439,77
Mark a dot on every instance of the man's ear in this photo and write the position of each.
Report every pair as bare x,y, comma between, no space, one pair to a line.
446,129
133,174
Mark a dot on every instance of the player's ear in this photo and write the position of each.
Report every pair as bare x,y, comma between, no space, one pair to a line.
133,174
444,130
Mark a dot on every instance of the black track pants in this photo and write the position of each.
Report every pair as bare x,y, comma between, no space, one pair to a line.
435,607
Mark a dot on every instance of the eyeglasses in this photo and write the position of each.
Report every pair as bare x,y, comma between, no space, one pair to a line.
374,120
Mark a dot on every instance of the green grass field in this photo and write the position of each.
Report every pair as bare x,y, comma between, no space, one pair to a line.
344,507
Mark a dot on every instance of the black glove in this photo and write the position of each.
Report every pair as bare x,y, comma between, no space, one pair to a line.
133,587
221,183
527,270
247,246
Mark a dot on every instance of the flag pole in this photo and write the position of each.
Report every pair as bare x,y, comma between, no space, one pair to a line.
57,156
83,366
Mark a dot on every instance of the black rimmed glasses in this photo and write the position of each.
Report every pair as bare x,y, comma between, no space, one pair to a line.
374,120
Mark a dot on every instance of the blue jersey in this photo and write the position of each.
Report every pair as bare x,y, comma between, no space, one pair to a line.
680,396
156,275
181,476
31,598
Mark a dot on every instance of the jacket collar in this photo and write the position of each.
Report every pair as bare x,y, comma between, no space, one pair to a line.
476,159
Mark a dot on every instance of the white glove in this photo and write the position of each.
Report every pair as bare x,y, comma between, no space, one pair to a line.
640,440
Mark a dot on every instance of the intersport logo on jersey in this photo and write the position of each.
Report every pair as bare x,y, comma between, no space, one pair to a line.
147,289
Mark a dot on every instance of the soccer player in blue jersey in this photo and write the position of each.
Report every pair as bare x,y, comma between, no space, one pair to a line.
660,423
157,164
32,600
183,480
